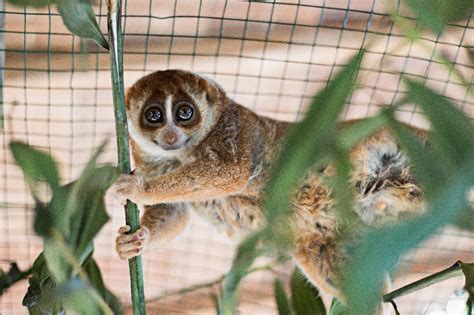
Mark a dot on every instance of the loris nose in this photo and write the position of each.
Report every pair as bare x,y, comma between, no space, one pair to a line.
170,137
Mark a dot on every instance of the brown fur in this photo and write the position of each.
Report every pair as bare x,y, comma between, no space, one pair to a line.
221,176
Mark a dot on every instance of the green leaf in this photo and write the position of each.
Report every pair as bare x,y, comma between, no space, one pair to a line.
470,54
428,169
337,308
436,13
32,3
97,282
306,146
353,133
79,18
7,279
452,131
281,299
466,219
37,166
378,250
86,202
468,270
305,297
246,254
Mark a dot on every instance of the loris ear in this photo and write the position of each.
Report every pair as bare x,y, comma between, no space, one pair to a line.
214,93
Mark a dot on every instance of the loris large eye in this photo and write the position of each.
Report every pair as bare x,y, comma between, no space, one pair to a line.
184,113
154,115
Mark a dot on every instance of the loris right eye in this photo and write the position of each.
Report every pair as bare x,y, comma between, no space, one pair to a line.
154,115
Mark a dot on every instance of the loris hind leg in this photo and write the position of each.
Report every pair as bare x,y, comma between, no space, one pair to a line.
160,223
319,258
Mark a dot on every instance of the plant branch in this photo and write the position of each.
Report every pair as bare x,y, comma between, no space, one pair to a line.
12,276
132,216
448,273
204,285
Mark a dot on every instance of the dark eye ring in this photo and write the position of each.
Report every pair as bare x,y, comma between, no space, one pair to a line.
184,112
153,115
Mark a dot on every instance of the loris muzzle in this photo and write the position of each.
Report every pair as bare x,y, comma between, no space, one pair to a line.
197,150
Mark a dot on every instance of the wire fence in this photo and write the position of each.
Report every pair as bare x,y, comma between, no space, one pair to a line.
270,57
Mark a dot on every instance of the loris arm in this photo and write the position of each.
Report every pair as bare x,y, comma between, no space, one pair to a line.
198,181
164,221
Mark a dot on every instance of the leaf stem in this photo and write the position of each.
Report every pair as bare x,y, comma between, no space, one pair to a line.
218,280
448,273
132,216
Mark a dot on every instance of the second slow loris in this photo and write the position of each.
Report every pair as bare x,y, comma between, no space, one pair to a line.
196,149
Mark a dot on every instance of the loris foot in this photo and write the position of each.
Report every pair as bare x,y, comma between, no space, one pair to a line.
131,245
128,187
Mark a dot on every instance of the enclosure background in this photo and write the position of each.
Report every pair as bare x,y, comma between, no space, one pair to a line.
271,57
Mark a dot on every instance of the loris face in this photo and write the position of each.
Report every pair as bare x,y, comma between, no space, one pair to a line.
171,111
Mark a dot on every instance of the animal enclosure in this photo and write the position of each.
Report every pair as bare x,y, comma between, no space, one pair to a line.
270,57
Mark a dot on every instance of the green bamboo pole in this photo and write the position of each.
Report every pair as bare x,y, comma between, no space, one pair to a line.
132,216
451,272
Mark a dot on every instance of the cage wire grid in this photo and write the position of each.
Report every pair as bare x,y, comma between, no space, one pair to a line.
270,57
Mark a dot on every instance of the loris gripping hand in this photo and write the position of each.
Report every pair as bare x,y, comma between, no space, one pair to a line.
131,245
131,187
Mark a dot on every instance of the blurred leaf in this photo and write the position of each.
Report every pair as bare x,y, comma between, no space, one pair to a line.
86,200
468,270
306,146
470,54
79,18
305,297
337,308
466,219
436,13
97,282
429,171
378,250
452,131
36,165
7,279
32,3
353,133
43,220
75,295
77,15
246,254
58,265
344,206
283,304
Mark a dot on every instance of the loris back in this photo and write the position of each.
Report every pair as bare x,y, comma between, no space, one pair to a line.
195,149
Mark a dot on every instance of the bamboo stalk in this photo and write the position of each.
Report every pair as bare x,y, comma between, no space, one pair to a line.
132,216
448,273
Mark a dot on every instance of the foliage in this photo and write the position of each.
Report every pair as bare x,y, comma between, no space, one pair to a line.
64,275
7,279
468,270
301,151
444,168
305,297
77,15
437,13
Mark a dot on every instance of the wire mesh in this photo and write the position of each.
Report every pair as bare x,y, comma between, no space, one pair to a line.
271,57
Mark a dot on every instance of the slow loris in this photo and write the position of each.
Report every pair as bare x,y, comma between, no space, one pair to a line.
196,149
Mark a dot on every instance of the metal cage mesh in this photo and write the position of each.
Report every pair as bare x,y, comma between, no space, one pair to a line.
271,57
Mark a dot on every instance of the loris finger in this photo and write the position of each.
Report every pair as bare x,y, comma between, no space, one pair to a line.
124,229
140,234
126,247
130,254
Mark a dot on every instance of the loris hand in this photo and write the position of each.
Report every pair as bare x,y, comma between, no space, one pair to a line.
128,187
131,245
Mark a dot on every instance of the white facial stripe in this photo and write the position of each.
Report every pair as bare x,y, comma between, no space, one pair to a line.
169,109
148,146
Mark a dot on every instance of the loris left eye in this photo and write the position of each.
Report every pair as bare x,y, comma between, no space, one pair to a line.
184,113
